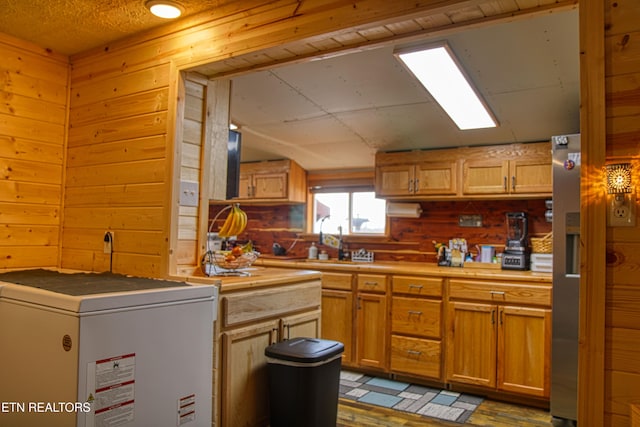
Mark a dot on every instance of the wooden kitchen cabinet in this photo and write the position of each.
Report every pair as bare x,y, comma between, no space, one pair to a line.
472,344
520,176
427,178
524,350
499,336
250,321
244,381
507,170
278,180
371,321
338,311
416,331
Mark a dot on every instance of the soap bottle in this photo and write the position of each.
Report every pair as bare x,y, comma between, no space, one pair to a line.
313,251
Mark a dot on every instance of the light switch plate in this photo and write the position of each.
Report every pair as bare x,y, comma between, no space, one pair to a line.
189,193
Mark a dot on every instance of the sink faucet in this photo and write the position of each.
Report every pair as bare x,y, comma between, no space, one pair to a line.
342,255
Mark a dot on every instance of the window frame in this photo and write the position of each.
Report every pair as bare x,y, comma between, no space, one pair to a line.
350,192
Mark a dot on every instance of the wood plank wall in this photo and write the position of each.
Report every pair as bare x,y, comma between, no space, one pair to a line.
410,239
122,94
33,115
122,157
622,351
190,161
117,175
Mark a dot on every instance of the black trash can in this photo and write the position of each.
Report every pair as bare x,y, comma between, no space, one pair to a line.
304,379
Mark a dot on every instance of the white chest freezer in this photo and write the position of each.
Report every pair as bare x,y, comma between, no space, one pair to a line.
104,350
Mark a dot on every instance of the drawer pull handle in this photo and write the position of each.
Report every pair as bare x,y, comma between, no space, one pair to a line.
412,286
414,352
416,313
496,292
371,283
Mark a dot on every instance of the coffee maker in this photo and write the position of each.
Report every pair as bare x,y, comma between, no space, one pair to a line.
516,251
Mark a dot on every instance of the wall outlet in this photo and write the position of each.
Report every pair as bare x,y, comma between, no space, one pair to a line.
622,211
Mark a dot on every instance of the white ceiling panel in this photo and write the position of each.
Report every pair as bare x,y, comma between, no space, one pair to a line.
337,112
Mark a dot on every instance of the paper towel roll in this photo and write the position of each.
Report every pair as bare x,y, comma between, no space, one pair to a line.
404,210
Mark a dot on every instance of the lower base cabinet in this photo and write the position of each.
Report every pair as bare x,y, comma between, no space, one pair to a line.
250,321
244,383
337,320
371,321
501,345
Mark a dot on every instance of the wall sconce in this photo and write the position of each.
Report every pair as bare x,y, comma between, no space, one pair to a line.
620,194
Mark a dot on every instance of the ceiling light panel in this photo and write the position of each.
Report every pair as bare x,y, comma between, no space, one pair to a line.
437,69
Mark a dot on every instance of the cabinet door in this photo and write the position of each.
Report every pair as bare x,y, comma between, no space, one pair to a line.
485,176
396,180
245,186
471,343
530,176
371,335
270,186
524,350
244,383
337,320
305,325
435,178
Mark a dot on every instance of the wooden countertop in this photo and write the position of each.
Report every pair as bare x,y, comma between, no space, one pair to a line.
259,277
411,268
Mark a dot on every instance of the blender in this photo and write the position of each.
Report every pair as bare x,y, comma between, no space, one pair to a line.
516,251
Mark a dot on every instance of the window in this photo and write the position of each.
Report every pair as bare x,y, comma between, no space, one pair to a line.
357,212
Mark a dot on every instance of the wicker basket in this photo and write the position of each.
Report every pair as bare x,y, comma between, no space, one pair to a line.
542,245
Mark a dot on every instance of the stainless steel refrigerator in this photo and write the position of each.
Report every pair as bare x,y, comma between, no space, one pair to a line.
566,278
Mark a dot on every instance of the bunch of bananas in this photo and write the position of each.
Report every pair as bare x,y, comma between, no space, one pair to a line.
235,223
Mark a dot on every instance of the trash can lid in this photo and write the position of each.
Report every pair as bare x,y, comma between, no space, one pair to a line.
306,350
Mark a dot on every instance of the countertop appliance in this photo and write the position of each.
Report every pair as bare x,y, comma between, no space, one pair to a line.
101,349
566,278
516,251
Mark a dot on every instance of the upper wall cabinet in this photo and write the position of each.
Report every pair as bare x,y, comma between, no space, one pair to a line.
277,181
427,178
502,171
514,169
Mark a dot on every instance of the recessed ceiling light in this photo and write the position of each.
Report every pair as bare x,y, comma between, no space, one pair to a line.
439,72
166,9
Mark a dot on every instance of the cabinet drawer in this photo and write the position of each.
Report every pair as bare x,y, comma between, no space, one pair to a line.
336,281
372,282
243,307
416,356
500,292
423,286
416,316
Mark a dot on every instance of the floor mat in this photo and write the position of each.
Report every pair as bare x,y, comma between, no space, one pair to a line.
417,399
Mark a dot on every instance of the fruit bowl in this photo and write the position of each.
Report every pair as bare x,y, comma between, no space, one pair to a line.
225,262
